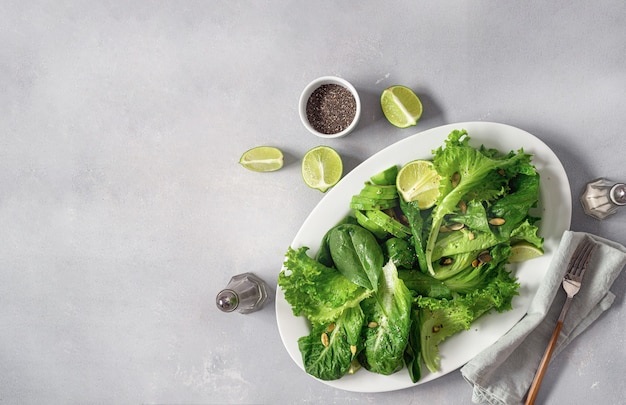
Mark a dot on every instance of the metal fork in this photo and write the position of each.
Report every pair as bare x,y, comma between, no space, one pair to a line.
571,284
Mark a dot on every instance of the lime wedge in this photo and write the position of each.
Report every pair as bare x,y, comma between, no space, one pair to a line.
522,251
419,181
401,106
262,159
322,168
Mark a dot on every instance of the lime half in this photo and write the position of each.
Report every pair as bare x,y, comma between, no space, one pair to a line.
401,106
419,181
522,251
322,168
262,159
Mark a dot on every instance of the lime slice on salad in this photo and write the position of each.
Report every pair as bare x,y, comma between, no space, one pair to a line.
522,251
401,106
322,168
262,159
419,181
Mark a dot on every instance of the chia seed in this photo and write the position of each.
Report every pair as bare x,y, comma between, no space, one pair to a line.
331,108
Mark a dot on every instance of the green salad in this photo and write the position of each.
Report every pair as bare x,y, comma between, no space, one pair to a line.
392,281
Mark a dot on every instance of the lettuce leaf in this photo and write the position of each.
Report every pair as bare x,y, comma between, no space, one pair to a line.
388,314
316,291
330,357
480,172
441,318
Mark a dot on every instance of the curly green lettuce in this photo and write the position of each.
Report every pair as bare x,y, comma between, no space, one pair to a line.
316,291
441,318
469,173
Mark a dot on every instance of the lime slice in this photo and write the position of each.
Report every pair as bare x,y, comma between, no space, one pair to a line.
322,168
262,159
386,177
401,106
419,181
522,251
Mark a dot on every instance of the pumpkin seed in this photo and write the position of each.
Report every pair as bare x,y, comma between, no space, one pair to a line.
325,341
456,226
456,178
485,257
445,261
497,221
462,206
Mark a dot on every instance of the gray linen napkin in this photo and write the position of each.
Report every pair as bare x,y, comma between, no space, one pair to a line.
503,373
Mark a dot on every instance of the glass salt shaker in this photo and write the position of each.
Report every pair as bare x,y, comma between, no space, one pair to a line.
245,293
602,198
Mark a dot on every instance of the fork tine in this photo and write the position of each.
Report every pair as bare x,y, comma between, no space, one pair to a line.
580,258
576,255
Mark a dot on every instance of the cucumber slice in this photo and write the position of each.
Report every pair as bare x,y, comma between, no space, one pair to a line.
386,177
380,189
382,192
389,224
367,204
370,225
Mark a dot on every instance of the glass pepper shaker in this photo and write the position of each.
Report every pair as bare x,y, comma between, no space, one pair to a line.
245,293
602,198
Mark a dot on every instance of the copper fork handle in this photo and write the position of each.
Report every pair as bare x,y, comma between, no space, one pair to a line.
543,366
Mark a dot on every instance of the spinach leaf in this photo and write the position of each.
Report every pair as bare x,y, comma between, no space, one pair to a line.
400,252
356,254
323,254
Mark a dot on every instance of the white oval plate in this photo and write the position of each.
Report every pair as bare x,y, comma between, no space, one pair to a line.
555,208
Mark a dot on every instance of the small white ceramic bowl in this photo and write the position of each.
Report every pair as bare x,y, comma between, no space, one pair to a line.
311,87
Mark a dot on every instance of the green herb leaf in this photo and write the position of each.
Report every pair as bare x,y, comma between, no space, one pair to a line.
356,254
